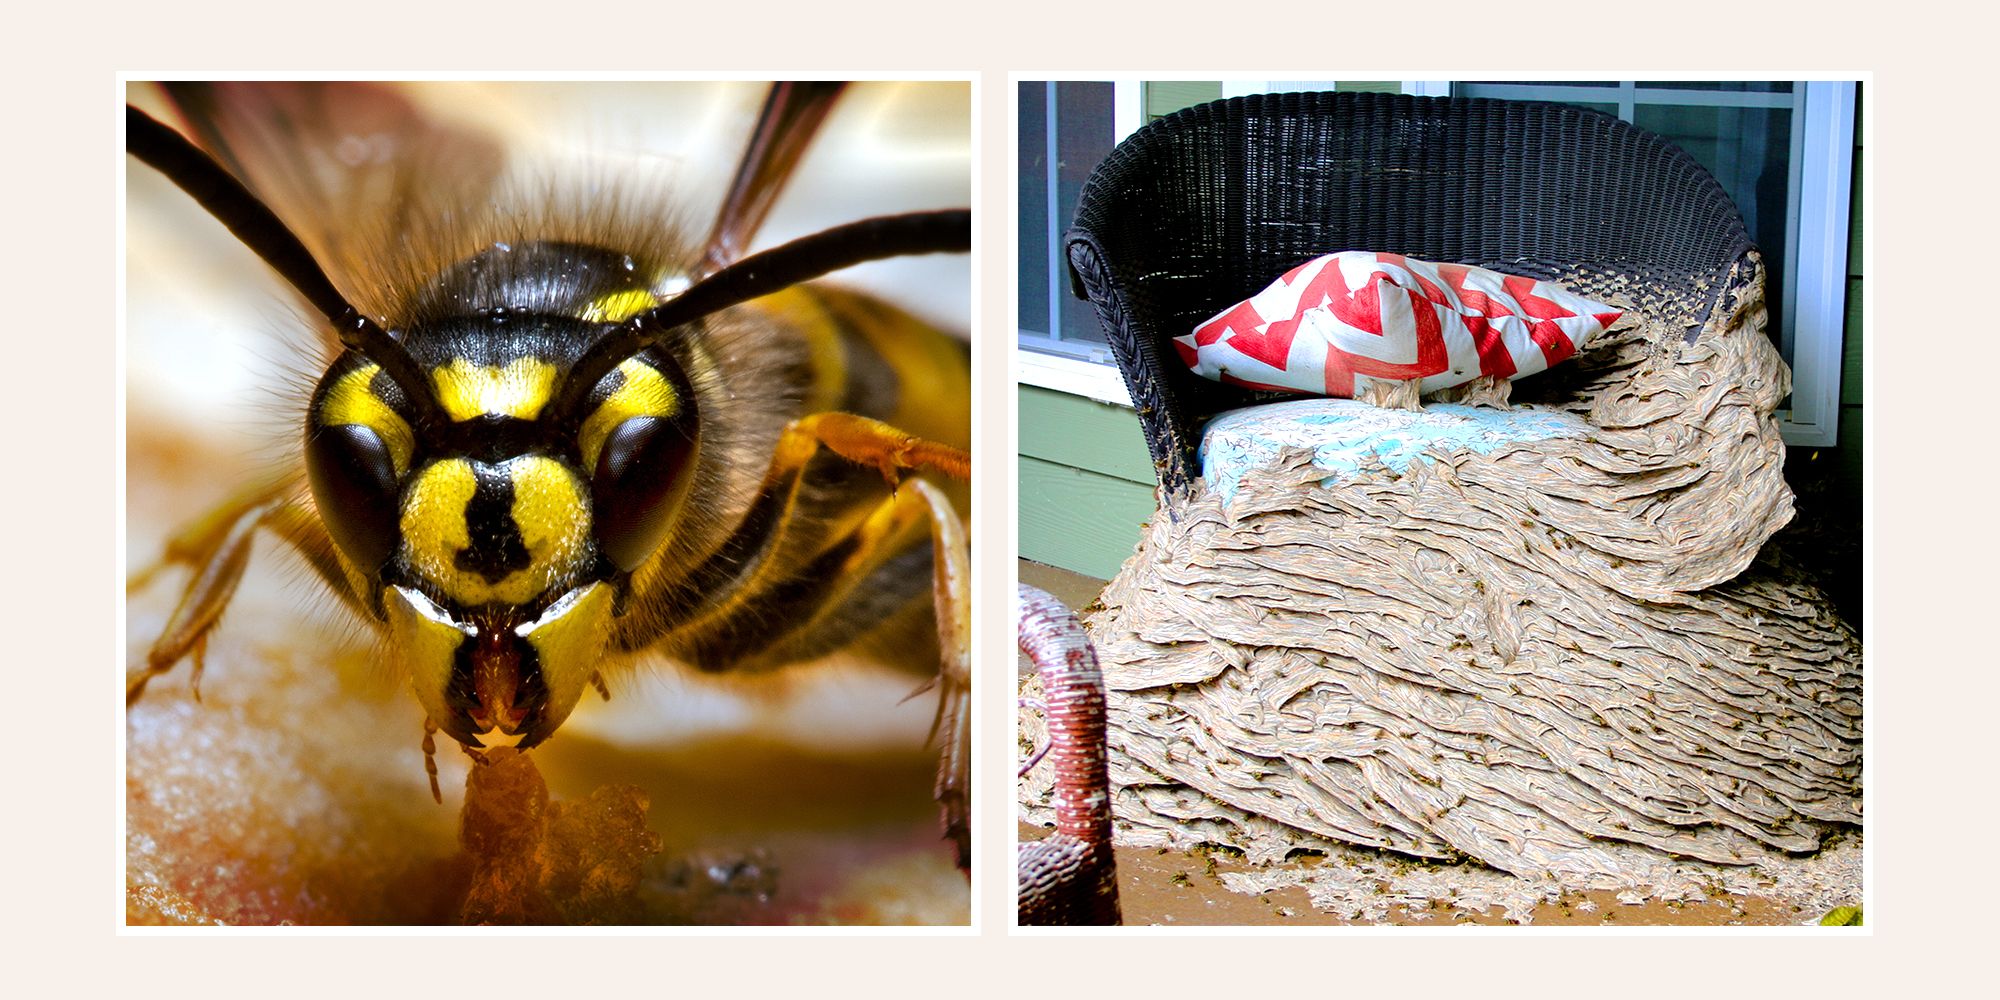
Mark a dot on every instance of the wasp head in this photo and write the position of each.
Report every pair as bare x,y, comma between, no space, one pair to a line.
491,522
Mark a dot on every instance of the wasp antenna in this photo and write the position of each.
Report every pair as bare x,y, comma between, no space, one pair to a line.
232,204
254,224
793,112
760,274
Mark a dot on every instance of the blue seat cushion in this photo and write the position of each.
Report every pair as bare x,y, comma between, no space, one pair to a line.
1346,436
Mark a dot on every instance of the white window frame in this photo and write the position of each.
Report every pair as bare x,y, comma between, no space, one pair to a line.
1825,152
1078,367
1825,145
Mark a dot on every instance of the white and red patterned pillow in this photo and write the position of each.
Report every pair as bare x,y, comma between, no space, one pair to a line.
1333,324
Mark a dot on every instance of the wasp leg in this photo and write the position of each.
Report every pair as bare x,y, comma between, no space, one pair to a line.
770,595
195,541
199,656
951,584
951,600
430,758
217,545
837,596
865,442
763,547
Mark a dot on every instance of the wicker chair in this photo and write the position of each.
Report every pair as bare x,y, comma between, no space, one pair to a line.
1520,656
1206,206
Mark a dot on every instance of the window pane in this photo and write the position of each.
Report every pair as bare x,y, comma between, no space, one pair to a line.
1540,83
1083,139
1732,86
1749,150
1745,141
1032,222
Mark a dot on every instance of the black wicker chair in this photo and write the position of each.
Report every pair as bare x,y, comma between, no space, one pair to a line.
1204,207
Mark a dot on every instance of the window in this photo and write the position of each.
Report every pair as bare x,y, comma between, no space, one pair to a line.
1065,129
1783,151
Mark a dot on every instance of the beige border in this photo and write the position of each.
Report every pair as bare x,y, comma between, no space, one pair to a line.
1928,522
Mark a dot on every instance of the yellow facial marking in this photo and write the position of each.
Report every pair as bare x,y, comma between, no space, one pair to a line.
521,389
569,642
551,512
552,509
433,521
423,642
617,307
645,393
350,401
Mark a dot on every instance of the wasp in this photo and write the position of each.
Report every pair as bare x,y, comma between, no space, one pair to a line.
554,433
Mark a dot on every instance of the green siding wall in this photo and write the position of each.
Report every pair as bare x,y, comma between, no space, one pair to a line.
1086,482
1164,97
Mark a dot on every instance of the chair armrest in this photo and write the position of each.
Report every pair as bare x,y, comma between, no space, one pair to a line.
1151,377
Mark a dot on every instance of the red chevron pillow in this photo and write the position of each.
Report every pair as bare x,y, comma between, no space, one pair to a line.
1335,323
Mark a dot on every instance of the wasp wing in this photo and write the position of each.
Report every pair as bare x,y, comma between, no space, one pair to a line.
792,114
351,168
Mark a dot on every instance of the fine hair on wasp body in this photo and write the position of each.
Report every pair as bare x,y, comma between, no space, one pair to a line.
556,432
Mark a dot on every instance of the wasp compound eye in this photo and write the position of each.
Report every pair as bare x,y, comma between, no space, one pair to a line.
638,438
357,449
641,473
353,476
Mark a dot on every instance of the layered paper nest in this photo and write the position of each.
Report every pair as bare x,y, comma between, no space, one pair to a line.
1540,657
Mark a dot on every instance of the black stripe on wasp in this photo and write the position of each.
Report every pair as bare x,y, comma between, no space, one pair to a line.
549,437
